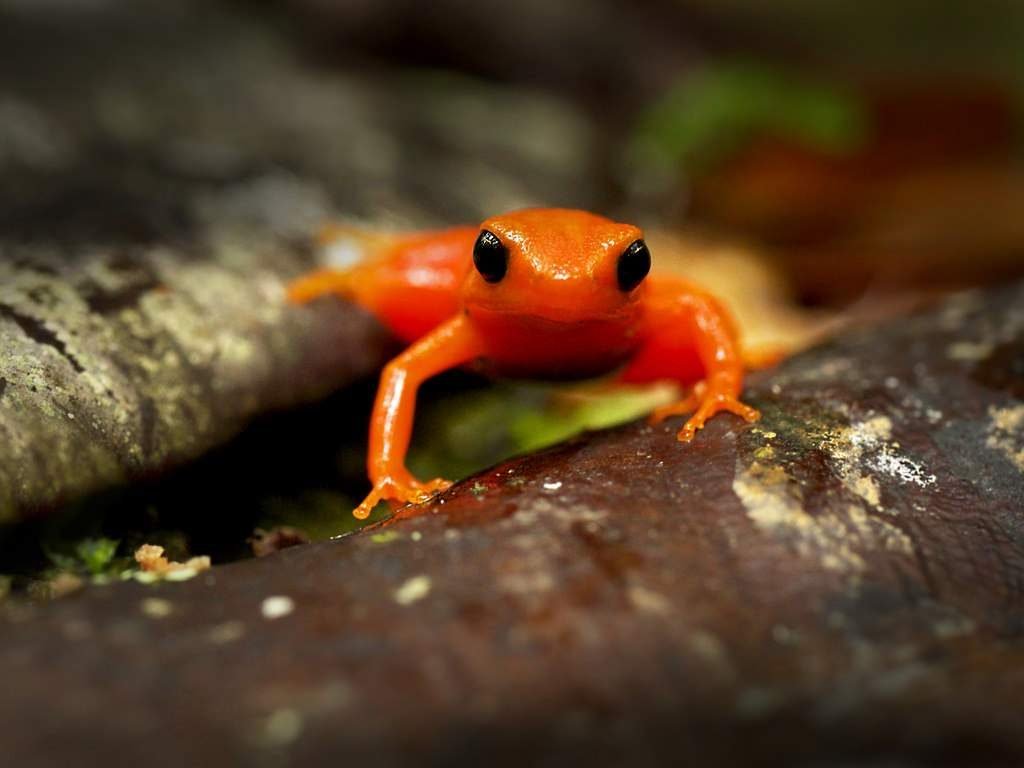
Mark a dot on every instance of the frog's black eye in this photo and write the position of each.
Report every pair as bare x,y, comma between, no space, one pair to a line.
490,257
634,264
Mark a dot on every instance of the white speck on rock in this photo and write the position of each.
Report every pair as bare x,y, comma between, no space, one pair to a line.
282,727
276,607
413,590
552,486
902,468
227,632
869,444
156,607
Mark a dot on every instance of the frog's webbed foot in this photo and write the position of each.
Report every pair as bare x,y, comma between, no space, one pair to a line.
404,491
706,401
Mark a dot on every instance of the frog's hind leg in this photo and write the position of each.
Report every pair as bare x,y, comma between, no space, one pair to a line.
413,285
321,282
351,252
763,356
410,282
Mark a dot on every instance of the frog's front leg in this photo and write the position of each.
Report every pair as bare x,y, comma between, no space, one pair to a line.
451,344
691,339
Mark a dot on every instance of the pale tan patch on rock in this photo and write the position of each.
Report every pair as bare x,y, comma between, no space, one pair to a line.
875,532
1006,433
649,601
969,351
774,503
1007,419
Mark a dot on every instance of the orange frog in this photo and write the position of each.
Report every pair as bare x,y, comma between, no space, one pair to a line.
541,293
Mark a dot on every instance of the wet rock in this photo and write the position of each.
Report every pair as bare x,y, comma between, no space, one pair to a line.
163,168
839,583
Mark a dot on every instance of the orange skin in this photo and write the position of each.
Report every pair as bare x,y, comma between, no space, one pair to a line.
558,312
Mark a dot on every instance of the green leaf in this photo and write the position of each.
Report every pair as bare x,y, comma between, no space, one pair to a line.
469,431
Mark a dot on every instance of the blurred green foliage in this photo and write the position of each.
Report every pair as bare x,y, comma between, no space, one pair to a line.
713,111
94,557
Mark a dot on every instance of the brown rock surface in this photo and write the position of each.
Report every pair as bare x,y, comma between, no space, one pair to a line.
840,583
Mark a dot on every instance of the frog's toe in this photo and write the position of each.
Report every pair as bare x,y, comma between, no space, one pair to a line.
374,497
679,408
709,407
419,493
434,486
398,493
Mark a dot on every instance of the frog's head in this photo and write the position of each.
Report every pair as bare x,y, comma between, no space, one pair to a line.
557,265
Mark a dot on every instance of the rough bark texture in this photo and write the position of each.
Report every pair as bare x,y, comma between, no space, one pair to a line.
839,584
163,166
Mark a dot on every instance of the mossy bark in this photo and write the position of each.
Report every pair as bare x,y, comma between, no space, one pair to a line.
164,168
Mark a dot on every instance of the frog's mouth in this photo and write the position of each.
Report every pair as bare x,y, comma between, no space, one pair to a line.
553,319
556,310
